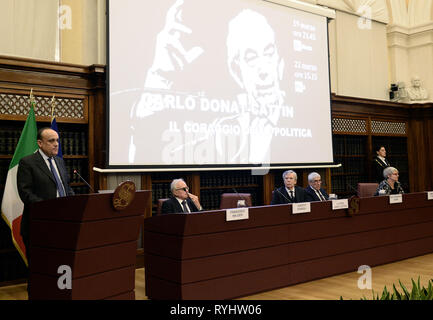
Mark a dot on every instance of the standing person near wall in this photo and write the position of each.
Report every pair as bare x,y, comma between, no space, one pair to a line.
379,163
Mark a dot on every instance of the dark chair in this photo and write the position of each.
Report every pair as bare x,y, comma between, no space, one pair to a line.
159,207
230,200
367,189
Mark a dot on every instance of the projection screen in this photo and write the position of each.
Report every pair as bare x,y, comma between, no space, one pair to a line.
219,83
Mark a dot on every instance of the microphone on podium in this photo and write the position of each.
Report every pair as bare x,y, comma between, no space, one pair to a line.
82,179
243,201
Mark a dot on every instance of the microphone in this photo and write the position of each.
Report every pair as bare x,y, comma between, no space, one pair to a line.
283,195
353,189
403,186
82,179
239,195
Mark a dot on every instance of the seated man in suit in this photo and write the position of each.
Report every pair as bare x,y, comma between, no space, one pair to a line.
290,192
182,201
314,192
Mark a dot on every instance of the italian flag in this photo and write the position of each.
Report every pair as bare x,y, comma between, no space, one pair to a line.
12,206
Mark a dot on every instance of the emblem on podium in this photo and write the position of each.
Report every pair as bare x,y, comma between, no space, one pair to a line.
123,195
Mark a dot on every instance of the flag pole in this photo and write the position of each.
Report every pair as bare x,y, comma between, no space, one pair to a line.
53,106
32,98
12,207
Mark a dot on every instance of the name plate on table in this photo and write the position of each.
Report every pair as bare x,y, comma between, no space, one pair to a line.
237,214
395,198
340,204
430,195
302,207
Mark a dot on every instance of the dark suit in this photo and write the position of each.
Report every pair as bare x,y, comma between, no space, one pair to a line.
173,206
36,183
377,168
310,194
280,196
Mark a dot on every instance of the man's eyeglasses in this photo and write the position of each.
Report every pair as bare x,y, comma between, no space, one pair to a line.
186,189
316,181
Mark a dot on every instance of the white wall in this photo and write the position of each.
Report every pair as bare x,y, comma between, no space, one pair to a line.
28,28
410,42
362,58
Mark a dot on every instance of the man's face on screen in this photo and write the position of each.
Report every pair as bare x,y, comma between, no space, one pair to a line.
259,68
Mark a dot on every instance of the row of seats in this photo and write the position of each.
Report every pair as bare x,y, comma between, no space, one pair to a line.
230,200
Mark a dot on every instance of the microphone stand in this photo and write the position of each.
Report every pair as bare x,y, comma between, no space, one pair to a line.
82,179
288,200
239,195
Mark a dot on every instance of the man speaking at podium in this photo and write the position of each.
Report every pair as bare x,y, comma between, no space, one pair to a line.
41,176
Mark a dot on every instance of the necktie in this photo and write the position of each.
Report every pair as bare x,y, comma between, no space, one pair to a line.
292,196
321,197
56,178
185,208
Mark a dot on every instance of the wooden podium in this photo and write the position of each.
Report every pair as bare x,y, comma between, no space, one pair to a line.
203,256
97,242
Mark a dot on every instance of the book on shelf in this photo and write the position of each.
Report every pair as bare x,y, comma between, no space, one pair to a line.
227,179
73,143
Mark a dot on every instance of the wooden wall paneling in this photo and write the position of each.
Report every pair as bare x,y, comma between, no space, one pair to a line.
98,125
268,187
90,146
146,184
327,179
428,132
370,152
305,180
420,147
416,153
193,182
100,181
349,106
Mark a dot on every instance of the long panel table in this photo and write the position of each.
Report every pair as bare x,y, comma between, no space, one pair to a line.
203,256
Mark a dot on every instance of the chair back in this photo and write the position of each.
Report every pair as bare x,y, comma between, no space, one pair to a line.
367,189
159,207
230,200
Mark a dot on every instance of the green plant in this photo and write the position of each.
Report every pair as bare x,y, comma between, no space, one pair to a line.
417,292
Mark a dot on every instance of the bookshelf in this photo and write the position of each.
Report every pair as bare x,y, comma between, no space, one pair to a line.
160,183
213,184
351,152
74,142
